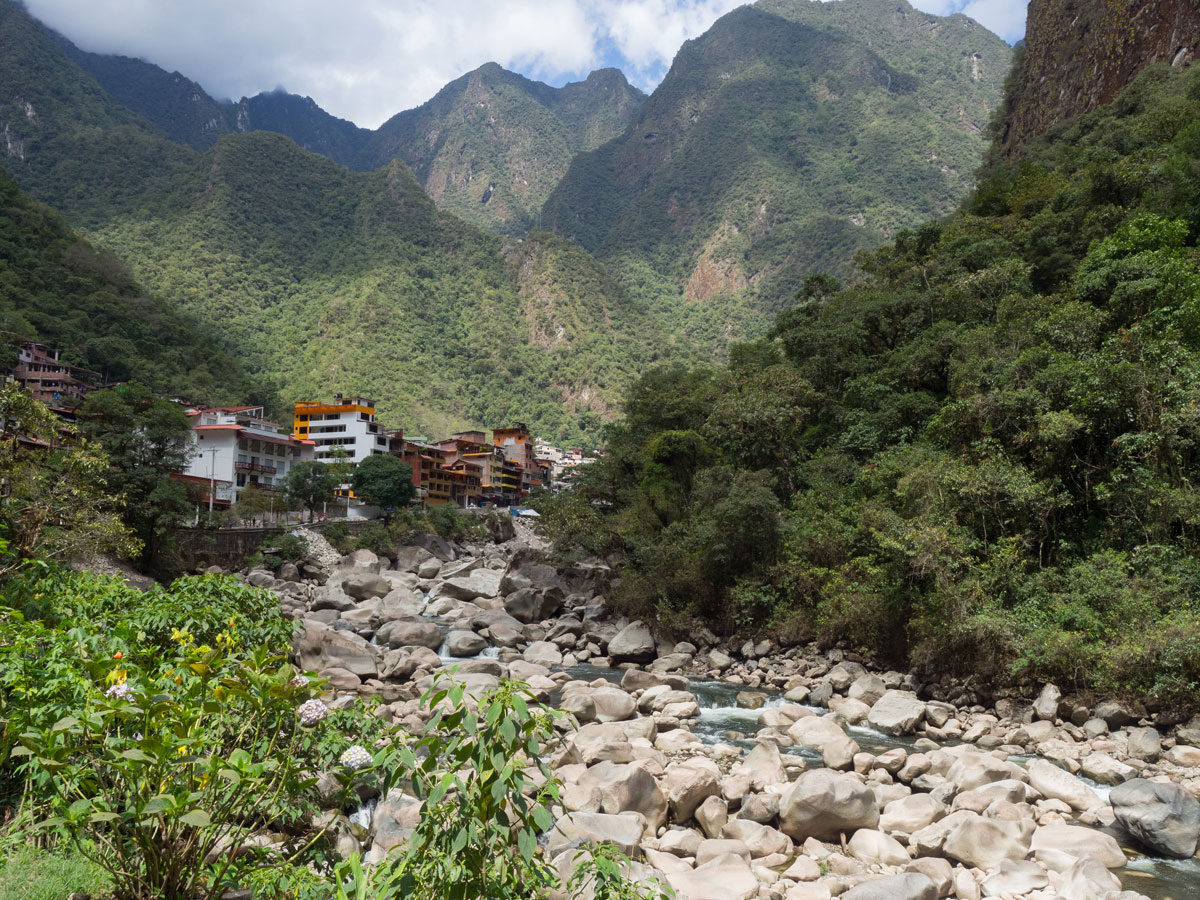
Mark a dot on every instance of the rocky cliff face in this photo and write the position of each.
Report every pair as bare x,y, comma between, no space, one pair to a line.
1080,53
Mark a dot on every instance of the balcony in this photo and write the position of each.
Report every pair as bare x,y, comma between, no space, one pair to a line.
253,467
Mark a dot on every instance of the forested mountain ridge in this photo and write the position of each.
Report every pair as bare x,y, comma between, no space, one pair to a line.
785,138
980,459
323,279
492,145
57,288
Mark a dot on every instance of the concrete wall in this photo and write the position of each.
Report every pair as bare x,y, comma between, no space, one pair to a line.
228,548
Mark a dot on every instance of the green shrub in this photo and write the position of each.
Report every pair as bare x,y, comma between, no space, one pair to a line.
338,535
288,547
183,762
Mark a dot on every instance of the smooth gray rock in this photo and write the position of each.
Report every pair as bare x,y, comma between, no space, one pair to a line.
824,805
1164,818
908,886
633,643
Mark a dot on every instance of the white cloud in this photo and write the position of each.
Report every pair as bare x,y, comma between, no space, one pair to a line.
1003,17
648,33
360,59
365,60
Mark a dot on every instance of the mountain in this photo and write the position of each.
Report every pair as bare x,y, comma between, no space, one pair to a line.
303,121
788,136
183,111
492,145
325,279
180,107
61,290
1119,41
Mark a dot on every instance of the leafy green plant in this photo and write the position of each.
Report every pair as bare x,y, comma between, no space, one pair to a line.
482,812
162,778
603,871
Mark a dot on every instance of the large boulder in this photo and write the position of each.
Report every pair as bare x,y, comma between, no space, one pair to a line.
435,546
985,843
876,849
897,713
763,766
824,805
528,605
579,829
409,559
319,647
634,643
907,886
1075,840
331,596
464,643
1046,705
394,820
626,788
1088,879
727,877
1164,818
598,704
410,633
1058,784
475,584
366,586
689,783
912,813
1015,878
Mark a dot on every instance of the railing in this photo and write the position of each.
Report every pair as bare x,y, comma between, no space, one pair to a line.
253,467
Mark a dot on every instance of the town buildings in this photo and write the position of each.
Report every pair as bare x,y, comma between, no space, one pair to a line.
347,425
235,447
464,470
41,372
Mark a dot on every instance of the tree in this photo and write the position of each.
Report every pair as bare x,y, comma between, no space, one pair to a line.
54,502
253,503
146,439
385,481
310,484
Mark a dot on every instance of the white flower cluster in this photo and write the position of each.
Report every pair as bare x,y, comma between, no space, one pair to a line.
355,757
312,711
119,691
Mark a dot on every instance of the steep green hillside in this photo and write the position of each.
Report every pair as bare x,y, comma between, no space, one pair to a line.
982,458
183,111
303,121
57,288
66,141
491,145
790,135
331,280
324,279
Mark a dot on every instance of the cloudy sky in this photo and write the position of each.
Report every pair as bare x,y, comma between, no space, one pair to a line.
365,60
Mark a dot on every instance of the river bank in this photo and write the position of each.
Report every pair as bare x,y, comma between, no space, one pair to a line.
755,771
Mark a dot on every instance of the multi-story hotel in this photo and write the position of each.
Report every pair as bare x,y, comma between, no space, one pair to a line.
234,447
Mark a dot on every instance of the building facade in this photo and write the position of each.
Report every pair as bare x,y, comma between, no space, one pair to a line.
235,447
346,424
40,372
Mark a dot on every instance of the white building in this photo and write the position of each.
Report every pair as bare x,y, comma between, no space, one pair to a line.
233,447
347,425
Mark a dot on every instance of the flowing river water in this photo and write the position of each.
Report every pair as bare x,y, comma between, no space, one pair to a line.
722,720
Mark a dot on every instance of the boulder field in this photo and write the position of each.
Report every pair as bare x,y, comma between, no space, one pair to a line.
961,796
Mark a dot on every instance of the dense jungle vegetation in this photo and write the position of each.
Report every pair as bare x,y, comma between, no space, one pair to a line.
981,457
57,288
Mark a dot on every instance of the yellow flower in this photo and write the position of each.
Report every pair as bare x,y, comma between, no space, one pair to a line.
182,751
116,676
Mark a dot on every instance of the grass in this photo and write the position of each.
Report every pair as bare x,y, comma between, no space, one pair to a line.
28,873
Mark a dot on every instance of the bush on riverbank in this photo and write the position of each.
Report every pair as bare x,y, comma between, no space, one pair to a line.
157,758
981,457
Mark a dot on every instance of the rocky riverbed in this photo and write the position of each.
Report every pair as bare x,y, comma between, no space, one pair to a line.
756,771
